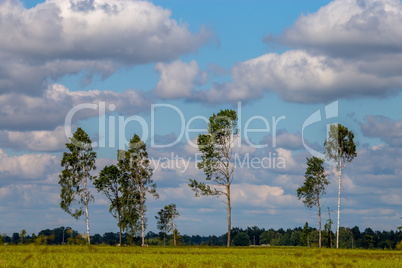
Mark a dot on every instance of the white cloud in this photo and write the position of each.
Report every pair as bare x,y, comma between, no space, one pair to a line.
177,79
298,76
349,28
61,37
42,140
27,166
260,196
346,49
22,112
384,128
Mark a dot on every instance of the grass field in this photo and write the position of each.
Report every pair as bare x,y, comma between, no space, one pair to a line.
105,256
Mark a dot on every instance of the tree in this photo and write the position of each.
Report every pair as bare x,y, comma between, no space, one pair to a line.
314,187
2,236
23,234
16,238
165,221
305,236
135,167
78,164
162,224
241,239
112,184
216,154
340,148
266,237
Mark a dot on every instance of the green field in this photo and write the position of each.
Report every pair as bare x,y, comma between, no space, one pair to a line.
107,256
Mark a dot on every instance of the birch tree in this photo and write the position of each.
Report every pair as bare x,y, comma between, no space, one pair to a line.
314,187
341,149
216,158
78,164
23,234
135,166
112,184
165,221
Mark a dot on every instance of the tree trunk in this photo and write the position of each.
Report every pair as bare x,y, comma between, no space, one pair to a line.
339,207
319,223
229,212
86,209
174,232
142,215
118,212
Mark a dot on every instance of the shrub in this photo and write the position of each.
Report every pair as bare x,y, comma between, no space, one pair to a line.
241,239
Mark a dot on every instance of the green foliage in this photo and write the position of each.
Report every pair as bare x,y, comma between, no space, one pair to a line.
241,239
78,164
136,172
216,144
314,186
340,146
114,186
315,182
305,236
23,235
40,240
216,155
165,220
215,148
266,237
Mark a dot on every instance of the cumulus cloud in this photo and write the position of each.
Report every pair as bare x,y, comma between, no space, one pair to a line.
23,112
382,127
346,49
177,79
26,166
298,76
55,38
42,140
377,167
352,28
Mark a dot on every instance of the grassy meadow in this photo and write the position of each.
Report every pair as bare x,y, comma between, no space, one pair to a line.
108,256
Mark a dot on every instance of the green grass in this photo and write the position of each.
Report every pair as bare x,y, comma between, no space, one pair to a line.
105,256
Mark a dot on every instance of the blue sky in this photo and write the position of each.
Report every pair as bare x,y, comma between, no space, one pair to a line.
277,59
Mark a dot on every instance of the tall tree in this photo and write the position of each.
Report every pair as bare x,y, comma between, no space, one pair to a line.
328,228
135,166
216,154
165,220
314,187
305,236
23,234
162,224
78,164
341,149
113,185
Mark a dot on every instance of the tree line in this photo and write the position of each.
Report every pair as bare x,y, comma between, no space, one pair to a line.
128,184
299,236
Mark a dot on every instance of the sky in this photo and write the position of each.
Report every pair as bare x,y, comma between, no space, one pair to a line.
160,69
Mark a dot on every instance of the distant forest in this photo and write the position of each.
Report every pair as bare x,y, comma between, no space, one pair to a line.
299,236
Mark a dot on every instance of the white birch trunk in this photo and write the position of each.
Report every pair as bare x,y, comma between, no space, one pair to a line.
319,222
174,232
86,209
339,207
142,215
229,214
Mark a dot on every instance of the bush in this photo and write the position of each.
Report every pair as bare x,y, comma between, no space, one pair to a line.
241,239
